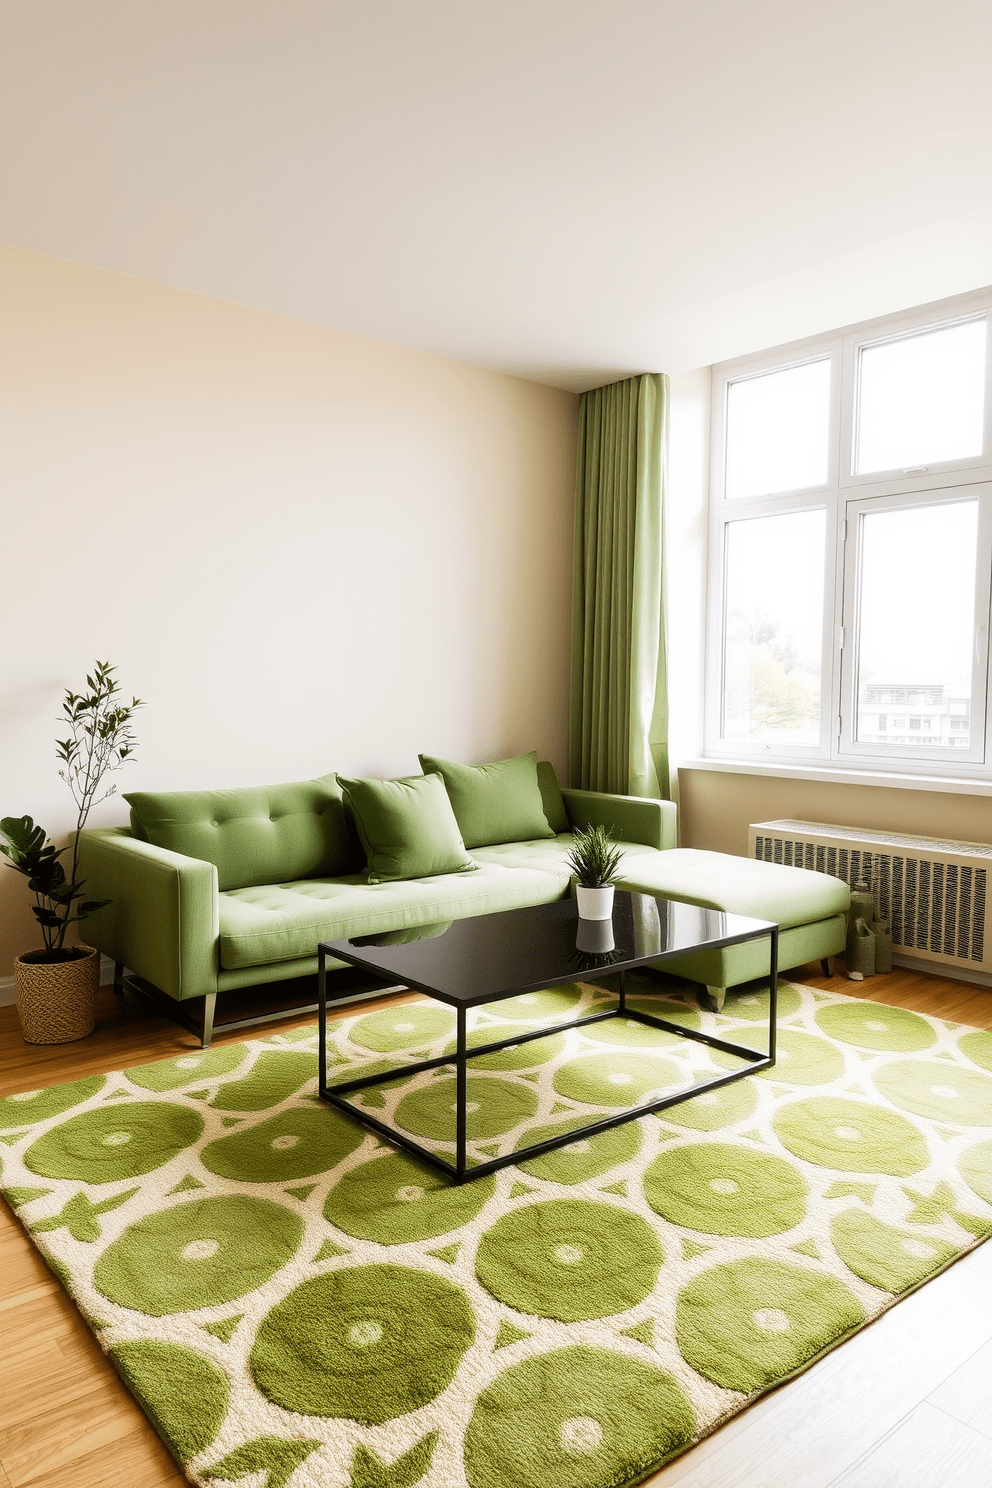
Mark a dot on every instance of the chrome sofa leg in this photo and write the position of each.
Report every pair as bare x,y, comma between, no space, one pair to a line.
209,1005
825,966
713,998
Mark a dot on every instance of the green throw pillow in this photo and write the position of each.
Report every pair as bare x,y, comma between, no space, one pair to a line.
500,802
407,827
554,802
254,835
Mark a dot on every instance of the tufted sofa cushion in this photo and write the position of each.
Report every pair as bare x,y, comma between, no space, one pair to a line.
255,835
279,922
549,853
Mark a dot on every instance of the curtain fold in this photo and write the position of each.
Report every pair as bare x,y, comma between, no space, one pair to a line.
618,721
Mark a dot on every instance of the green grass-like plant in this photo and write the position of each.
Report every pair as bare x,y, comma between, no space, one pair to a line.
594,857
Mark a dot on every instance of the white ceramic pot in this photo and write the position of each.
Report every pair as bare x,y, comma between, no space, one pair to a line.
594,904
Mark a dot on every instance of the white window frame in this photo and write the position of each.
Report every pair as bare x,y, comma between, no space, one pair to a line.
848,744
844,497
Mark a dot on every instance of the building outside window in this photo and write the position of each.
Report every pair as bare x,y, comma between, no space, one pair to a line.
851,543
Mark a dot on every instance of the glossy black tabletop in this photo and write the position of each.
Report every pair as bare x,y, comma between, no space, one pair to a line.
486,957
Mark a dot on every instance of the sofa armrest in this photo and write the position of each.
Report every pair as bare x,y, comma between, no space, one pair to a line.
163,920
630,818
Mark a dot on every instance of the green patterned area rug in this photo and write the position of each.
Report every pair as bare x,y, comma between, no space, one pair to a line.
294,1303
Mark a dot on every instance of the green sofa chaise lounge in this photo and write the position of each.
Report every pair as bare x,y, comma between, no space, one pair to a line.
224,889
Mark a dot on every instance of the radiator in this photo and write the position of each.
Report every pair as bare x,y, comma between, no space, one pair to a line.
932,892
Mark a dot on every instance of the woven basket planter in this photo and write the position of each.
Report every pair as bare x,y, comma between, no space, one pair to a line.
56,1001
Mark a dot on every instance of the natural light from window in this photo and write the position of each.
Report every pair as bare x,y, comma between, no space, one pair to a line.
773,628
921,399
850,584
778,429
916,631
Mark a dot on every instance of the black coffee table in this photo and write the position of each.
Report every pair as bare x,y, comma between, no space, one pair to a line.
469,963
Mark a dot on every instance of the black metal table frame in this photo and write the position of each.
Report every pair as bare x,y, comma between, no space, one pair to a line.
459,1170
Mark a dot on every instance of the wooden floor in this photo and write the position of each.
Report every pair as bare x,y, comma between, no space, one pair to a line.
906,1403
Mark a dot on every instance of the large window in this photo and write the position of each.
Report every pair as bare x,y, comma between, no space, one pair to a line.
852,548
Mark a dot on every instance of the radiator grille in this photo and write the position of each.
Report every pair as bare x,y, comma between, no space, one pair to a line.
932,892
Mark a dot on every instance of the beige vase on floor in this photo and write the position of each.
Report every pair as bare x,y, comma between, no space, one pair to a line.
56,1000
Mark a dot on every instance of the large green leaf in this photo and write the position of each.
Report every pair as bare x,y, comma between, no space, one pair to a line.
46,917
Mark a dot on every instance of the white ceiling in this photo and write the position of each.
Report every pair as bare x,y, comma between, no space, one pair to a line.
570,190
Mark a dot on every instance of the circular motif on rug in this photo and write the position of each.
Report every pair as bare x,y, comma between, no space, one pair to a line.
976,1046
184,1394
719,1189
119,1141
939,1091
628,1032
800,1058
576,1415
714,1109
754,1005
975,1167
393,1199
869,1025
517,1056
369,1343
493,1107
673,1012
296,1143
171,1074
851,1135
552,1003
885,1257
747,1324
197,1254
585,1158
616,1079
569,1259
408,1027
29,1106
276,1074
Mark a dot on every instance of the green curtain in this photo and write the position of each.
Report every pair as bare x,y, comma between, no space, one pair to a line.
618,720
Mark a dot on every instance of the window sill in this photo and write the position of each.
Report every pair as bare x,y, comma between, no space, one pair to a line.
837,775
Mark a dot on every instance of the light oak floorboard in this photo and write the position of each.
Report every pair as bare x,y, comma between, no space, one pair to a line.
967,1394
72,1430
926,1449
30,1295
26,1358
88,1430
66,1384
34,1318
135,1460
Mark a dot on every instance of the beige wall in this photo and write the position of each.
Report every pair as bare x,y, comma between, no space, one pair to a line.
307,551
716,808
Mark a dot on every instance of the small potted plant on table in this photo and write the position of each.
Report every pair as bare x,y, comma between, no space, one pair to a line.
56,986
594,860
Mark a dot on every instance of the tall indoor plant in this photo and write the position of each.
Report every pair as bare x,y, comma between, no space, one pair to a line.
56,986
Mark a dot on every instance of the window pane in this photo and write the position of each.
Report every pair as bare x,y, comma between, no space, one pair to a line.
773,628
921,399
916,630
777,431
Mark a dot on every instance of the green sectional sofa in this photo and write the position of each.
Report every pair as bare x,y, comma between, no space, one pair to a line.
214,890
